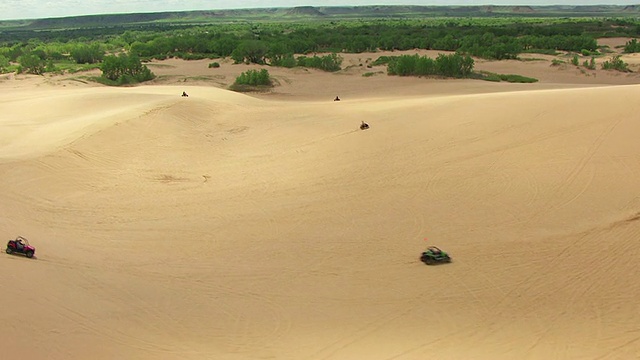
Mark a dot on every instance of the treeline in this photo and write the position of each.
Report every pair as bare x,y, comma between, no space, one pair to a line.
37,54
263,43
273,43
294,44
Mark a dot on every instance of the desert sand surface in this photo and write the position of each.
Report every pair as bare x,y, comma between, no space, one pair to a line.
267,226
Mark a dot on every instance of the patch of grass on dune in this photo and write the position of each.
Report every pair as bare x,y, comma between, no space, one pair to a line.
512,78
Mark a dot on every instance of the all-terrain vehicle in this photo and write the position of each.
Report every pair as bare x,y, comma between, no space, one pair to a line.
434,255
20,246
364,126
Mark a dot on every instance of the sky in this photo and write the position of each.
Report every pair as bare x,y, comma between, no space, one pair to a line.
34,9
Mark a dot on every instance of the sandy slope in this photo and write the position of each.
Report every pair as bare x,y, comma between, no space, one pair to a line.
228,226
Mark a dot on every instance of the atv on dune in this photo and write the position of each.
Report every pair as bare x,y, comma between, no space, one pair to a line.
433,256
364,126
20,246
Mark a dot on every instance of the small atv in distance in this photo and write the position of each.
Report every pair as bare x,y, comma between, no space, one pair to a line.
433,256
20,246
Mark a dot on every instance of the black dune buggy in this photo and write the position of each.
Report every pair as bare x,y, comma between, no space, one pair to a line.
434,255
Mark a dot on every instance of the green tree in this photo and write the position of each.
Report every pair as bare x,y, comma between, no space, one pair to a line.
452,65
225,46
329,62
4,64
32,64
87,54
125,69
277,53
251,51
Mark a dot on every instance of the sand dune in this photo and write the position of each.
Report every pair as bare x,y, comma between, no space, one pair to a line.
231,226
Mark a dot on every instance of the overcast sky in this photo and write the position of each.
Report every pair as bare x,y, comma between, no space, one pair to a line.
31,9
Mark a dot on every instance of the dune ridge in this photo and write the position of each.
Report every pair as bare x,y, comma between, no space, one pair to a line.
235,226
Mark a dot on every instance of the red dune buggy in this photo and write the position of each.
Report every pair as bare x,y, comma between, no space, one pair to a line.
20,246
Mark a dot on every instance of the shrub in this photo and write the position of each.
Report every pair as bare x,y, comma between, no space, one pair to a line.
591,64
452,65
254,78
586,52
615,64
557,62
383,60
287,61
4,64
214,65
632,46
575,60
31,64
87,54
330,62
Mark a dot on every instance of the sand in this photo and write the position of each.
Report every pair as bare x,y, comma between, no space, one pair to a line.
267,226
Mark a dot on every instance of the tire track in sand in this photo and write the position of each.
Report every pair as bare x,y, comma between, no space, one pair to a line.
570,179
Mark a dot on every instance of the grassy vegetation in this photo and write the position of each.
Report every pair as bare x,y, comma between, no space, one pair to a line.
72,67
124,69
314,36
252,80
616,63
632,46
489,76
512,78
250,88
540,51
453,65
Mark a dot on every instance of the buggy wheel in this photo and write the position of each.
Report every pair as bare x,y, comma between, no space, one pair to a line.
9,251
29,254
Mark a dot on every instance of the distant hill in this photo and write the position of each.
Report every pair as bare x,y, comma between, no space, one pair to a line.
523,9
93,20
320,13
305,10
